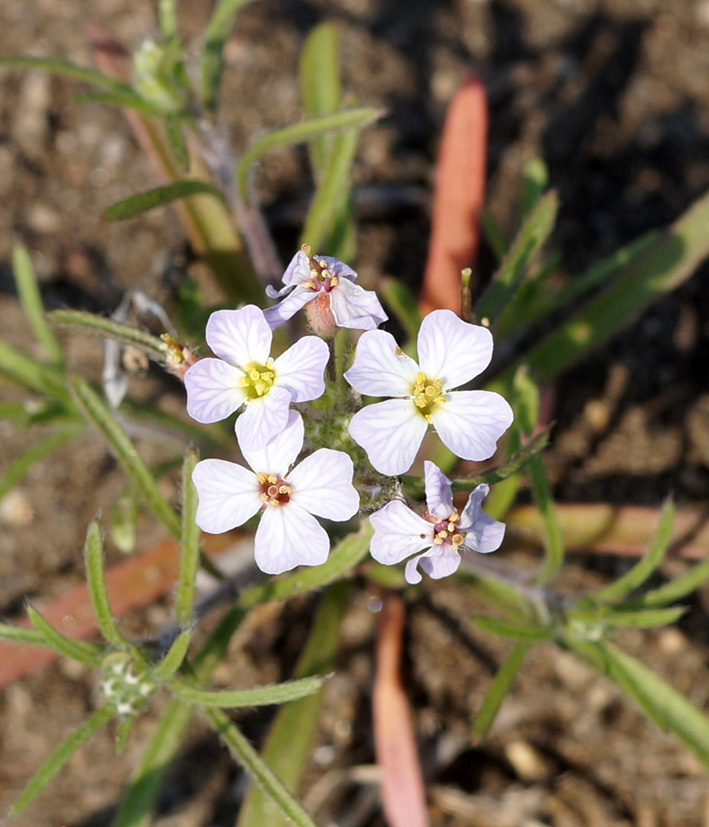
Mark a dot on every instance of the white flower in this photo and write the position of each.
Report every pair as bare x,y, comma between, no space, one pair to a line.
245,374
399,532
288,534
451,353
329,283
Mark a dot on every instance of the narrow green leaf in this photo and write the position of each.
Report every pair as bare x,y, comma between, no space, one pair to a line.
500,686
59,757
82,651
494,235
67,69
320,87
95,325
516,631
172,661
257,696
28,372
535,181
402,302
96,581
628,618
215,37
660,701
157,197
125,727
122,100
535,230
123,520
245,755
167,18
23,635
176,138
640,572
98,413
31,301
189,556
678,588
300,133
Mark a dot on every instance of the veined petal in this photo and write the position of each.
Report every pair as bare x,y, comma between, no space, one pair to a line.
338,268
301,369
228,495
452,350
398,533
482,533
390,432
380,367
277,456
288,306
264,418
287,537
439,494
240,336
213,390
322,485
471,422
435,564
354,307
298,269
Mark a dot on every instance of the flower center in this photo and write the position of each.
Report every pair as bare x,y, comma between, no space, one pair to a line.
274,490
257,379
427,394
446,531
320,277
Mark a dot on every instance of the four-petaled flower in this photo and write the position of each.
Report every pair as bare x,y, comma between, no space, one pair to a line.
451,353
245,374
288,534
336,300
399,532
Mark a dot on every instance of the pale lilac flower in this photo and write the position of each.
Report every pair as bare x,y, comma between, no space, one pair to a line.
328,282
451,353
288,534
245,374
400,532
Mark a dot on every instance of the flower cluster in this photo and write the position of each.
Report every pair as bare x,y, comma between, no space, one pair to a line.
246,378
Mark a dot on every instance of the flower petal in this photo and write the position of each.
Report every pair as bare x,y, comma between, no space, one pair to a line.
282,451
263,419
338,268
435,564
482,533
471,422
354,307
213,390
287,537
390,432
240,336
298,269
380,367
398,533
228,495
452,350
439,494
289,306
301,369
322,485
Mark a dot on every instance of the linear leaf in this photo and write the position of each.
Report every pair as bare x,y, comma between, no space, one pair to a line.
124,334
31,301
300,133
67,69
403,303
554,541
320,87
535,181
157,197
21,634
125,727
640,572
59,757
500,686
178,144
257,696
174,657
80,650
122,100
98,413
215,37
167,18
630,617
517,631
189,555
678,588
96,581
245,755
17,469
28,372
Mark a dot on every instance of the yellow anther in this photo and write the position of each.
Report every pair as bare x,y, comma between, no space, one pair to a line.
333,281
272,478
443,534
323,263
284,489
438,541
254,375
454,517
262,478
264,497
274,503
310,284
430,390
457,539
428,418
399,351
451,526
420,378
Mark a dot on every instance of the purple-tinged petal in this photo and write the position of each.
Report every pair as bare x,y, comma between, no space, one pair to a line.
439,494
338,268
213,390
482,532
380,367
322,485
391,433
263,419
355,308
298,270
452,350
471,422
240,336
277,456
288,536
289,306
301,369
228,495
434,563
398,533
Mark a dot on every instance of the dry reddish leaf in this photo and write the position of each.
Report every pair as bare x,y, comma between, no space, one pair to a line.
458,197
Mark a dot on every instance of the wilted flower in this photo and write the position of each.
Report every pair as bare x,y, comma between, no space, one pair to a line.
326,285
245,374
451,353
288,534
399,532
